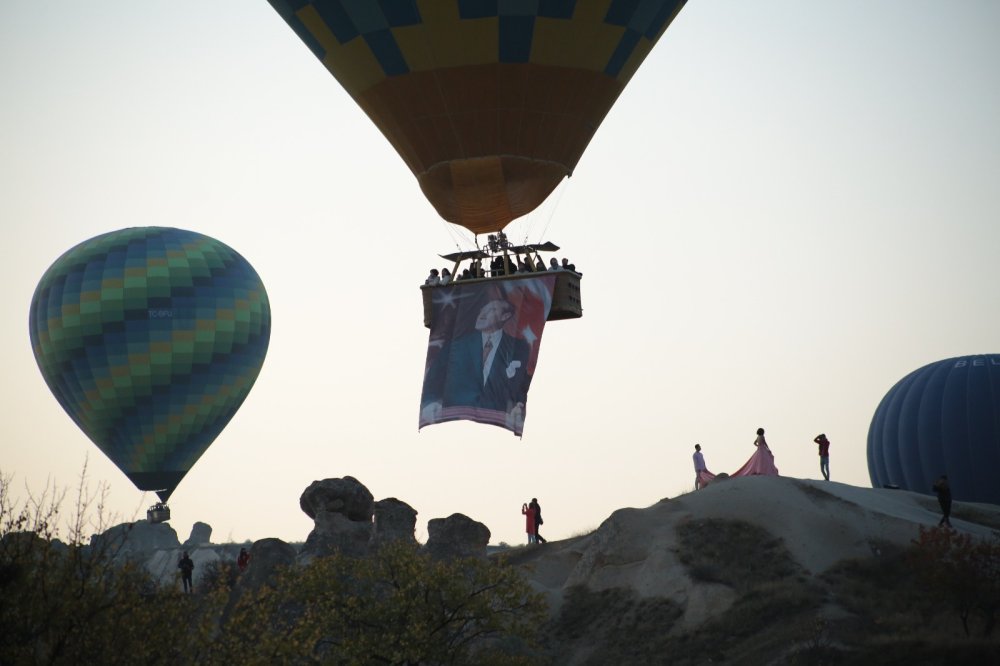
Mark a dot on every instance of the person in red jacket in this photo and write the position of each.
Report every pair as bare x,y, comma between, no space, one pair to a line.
529,523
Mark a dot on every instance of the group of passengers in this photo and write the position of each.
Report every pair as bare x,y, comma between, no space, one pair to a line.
498,267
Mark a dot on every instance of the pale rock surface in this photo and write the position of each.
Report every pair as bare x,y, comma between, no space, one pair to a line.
820,522
138,537
162,564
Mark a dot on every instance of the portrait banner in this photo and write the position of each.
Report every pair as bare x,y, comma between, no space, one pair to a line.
483,350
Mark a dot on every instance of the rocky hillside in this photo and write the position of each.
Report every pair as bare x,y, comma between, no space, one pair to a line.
756,570
753,570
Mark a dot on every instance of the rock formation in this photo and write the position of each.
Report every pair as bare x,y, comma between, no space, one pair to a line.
346,496
395,520
342,511
456,536
138,537
201,534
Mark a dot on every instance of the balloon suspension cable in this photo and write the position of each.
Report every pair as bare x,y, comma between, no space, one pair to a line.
552,212
456,236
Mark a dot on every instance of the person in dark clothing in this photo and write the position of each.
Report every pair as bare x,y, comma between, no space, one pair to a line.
187,568
943,491
538,519
824,455
243,560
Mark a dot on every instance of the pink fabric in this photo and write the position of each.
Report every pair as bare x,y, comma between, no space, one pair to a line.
761,463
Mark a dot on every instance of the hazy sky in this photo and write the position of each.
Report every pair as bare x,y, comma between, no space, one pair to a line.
792,205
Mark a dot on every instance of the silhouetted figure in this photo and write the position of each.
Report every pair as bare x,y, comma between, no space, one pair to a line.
538,519
554,264
433,279
824,455
187,569
445,276
243,560
539,265
943,491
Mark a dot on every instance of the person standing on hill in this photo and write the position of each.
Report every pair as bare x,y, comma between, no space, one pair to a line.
824,455
186,565
699,466
243,560
538,519
529,523
943,491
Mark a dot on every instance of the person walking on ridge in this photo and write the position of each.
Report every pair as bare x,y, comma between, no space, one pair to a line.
943,491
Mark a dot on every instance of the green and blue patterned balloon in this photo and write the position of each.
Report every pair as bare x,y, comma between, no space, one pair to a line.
151,338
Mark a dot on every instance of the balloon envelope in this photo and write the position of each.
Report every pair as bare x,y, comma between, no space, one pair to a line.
941,419
490,104
150,338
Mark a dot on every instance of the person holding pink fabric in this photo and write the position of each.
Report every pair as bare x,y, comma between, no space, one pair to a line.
699,466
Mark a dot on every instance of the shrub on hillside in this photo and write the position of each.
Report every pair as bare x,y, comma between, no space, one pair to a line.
66,601
961,572
396,606
732,552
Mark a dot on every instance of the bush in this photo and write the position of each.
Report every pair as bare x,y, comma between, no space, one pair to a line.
72,602
961,572
733,553
397,606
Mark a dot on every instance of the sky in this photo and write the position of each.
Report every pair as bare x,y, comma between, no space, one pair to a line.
791,206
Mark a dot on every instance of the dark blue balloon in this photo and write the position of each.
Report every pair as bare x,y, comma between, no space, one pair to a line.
941,419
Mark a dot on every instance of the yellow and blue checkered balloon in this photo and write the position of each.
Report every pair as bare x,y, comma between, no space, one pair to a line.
491,103
151,338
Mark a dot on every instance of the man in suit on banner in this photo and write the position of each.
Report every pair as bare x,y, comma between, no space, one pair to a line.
485,370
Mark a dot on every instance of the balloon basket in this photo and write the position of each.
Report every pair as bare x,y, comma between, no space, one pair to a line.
566,301
158,513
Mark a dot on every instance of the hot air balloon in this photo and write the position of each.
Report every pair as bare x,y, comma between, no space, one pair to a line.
151,338
490,104
941,419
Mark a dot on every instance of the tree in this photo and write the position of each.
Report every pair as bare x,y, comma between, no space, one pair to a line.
67,601
397,606
960,571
